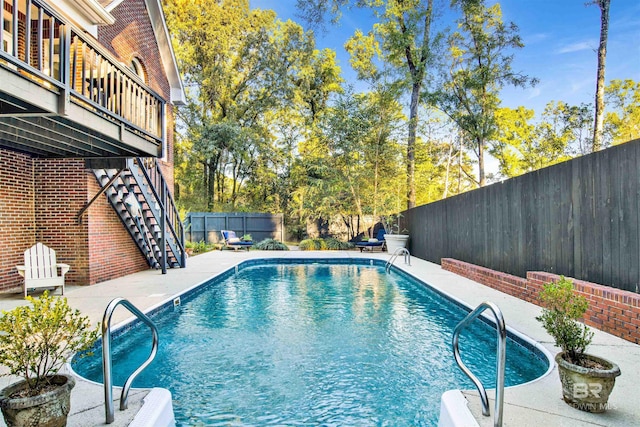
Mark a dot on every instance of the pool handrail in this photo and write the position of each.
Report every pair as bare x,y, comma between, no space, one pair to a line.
106,356
500,362
394,255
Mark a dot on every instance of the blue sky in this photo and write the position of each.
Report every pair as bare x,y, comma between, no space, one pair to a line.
560,36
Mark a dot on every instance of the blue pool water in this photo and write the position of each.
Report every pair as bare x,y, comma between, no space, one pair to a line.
311,344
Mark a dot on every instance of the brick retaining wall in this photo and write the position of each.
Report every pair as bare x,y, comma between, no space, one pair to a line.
611,310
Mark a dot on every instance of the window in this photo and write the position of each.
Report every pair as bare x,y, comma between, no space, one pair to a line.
138,68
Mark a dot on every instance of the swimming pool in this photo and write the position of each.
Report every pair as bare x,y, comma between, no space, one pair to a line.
323,343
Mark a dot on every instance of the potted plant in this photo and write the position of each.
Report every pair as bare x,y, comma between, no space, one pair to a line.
586,380
394,237
36,340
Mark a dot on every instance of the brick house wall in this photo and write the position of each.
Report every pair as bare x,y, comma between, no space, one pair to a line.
39,202
41,198
611,310
60,193
17,222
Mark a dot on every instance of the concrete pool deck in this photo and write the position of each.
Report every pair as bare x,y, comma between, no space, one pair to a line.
534,404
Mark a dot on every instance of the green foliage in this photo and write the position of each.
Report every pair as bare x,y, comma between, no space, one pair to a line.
315,244
402,42
36,340
563,307
330,243
622,122
246,238
338,245
254,83
523,146
271,245
200,247
352,165
480,66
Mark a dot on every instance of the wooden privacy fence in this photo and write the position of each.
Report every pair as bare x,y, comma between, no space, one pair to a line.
206,226
579,218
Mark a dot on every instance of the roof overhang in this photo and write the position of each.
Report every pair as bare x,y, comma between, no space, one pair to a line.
92,11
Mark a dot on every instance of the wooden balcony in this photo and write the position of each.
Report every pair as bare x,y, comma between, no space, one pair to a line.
63,95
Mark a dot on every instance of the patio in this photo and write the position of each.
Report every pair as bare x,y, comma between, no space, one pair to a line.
535,404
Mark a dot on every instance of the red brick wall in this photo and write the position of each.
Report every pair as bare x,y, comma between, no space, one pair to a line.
17,224
61,192
112,251
611,310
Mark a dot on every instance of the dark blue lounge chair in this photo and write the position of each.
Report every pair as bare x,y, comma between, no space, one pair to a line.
233,241
378,243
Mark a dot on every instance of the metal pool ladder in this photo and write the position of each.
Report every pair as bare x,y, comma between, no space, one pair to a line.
398,251
501,356
106,356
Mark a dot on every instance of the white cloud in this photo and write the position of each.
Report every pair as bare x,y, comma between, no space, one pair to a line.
534,92
577,47
535,38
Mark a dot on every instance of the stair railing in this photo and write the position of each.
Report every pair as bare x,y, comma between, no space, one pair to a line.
170,218
500,362
106,356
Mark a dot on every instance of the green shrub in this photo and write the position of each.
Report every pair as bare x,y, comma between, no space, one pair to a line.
313,245
200,247
562,309
338,245
318,244
36,340
271,245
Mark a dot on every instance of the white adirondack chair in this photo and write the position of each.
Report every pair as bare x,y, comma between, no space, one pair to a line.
40,269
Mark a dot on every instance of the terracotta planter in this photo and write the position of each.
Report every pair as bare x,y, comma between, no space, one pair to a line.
395,241
587,389
49,409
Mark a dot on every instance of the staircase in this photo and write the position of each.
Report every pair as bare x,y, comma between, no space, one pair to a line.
153,222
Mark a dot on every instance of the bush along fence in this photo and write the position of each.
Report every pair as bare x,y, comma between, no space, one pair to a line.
206,226
611,310
580,218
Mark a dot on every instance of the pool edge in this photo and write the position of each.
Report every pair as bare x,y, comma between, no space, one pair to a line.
454,405
454,410
156,411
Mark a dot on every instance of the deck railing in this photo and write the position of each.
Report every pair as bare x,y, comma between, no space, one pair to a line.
39,44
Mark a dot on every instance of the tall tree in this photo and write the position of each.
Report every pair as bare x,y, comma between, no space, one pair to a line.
480,66
403,38
350,165
241,66
598,125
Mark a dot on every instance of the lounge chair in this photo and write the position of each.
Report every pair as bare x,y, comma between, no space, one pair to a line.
378,242
233,241
40,269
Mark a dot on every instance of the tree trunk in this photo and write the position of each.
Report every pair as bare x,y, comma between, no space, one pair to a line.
445,193
418,73
481,175
210,186
602,56
411,143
